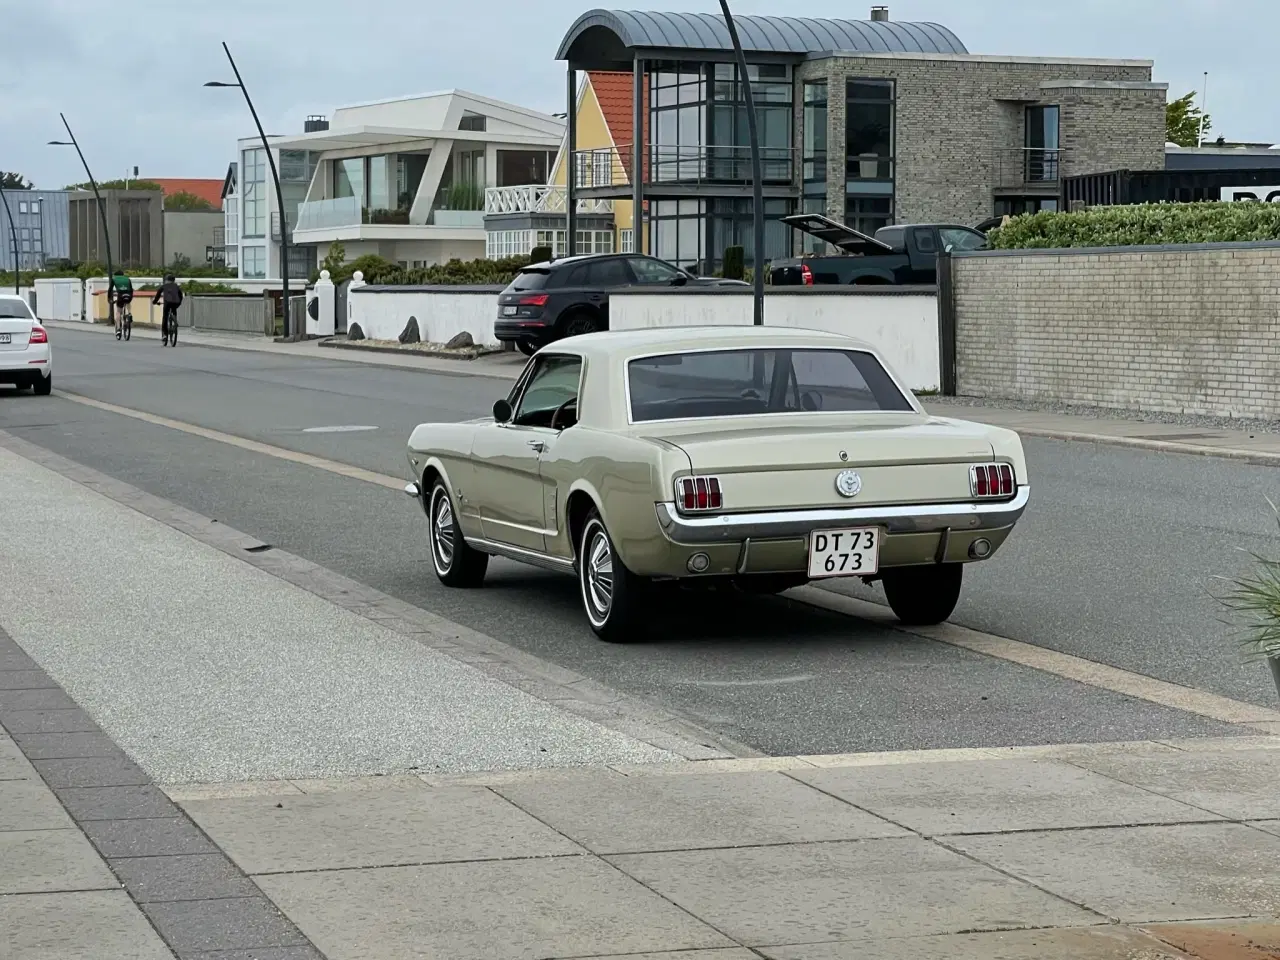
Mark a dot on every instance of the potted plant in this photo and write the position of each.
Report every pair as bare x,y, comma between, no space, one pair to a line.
1253,600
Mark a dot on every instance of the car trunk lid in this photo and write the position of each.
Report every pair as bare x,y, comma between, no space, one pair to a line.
17,330
899,458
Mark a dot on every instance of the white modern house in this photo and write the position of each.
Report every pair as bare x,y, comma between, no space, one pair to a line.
403,178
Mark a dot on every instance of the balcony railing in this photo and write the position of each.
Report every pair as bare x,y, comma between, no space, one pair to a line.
1028,166
538,198
684,164
326,214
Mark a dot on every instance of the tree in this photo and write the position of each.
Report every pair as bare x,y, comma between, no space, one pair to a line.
13,181
1182,121
182,200
117,185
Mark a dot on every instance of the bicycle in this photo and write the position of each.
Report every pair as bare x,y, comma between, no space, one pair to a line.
169,327
124,321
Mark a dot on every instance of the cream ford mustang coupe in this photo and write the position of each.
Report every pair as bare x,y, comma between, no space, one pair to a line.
756,456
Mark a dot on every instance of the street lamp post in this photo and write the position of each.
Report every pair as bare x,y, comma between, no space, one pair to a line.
17,263
102,210
757,200
275,176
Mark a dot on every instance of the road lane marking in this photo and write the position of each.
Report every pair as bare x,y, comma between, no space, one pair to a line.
339,428
254,446
1067,666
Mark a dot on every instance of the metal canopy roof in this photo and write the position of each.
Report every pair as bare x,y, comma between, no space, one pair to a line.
604,39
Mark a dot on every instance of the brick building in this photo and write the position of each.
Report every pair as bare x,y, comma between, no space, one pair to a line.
871,122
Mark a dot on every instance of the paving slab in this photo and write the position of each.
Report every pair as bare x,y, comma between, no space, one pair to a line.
67,746
1230,940
46,861
47,697
365,829
245,923
990,796
30,805
209,876
1267,826
1146,874
1071,943
161,837
78,926
91,772
651,813
1239,784
873,889
13,765
511,910
116,803
16,679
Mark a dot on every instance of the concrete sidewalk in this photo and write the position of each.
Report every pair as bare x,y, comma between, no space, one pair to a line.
1261,448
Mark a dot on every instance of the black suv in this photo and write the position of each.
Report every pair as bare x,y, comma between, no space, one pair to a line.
564,298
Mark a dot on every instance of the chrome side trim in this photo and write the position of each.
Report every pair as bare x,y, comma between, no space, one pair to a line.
745,557
520,555
413,490
778,524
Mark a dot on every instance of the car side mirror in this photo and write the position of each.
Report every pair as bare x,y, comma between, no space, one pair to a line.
502,412
680,281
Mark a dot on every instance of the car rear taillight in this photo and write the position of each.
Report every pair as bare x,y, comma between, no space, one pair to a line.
535,300
699,493
38,335
991,480
806,275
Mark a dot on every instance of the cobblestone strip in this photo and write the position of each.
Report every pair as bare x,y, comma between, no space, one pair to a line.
565,689
200,903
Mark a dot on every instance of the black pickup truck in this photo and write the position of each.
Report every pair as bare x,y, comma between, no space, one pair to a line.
898,255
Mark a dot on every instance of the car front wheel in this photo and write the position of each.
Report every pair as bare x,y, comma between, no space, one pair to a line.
923,596
455,563
611,594
43,386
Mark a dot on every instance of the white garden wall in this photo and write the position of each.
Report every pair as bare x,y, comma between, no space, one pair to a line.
441,312
900,322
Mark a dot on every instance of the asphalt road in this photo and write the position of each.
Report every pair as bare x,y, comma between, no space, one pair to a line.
1112,562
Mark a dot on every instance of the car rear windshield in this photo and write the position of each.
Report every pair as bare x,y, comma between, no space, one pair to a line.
14,310
530,280
736,383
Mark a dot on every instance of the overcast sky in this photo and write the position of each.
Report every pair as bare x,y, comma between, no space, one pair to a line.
128,73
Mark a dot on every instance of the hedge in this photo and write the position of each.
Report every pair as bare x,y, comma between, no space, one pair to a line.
454,273
1141,224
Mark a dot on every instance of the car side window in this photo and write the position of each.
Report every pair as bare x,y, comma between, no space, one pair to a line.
551,387
962,239
577,277
608,273
649,271
925,242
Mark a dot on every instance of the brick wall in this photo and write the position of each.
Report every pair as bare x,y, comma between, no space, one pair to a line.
958,118
1179,329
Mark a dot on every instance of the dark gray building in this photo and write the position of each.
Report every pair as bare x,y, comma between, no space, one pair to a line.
41,220
869,121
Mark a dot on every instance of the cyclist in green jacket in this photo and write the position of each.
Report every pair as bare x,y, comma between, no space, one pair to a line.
121,294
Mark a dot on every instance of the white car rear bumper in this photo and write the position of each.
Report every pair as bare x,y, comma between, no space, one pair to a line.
34,360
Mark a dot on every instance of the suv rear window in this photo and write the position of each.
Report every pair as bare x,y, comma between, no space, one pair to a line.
13,309
530,280
737,383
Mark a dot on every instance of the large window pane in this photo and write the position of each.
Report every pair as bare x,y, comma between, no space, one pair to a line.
409,170
519,167
1042,144
815,131
348,178
869,110
380,183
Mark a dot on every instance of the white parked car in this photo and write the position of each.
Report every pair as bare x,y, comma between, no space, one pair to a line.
25,357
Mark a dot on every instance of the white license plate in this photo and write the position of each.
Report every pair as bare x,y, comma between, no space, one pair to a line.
508,311
844,553
6,338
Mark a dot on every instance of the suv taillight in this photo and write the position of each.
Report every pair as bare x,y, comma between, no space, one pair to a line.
38,334
699,493
991,480
535,300
806,275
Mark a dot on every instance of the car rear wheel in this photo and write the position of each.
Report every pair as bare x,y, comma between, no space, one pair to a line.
611,594
580,323
923,596
527,348
43,386
455,563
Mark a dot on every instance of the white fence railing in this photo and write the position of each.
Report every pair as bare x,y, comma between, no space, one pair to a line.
537,198
324,214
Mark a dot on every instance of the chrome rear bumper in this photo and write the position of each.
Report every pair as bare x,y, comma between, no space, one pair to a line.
783,524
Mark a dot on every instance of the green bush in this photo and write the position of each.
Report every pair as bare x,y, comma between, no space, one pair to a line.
734,263
464,195
541,255
1139,225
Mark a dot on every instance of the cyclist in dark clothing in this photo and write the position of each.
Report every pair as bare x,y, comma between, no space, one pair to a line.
171,294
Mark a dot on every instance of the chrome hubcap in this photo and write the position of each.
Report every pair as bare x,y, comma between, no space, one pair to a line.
599,575
442,531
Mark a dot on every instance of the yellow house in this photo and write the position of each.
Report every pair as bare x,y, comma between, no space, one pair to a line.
517,219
